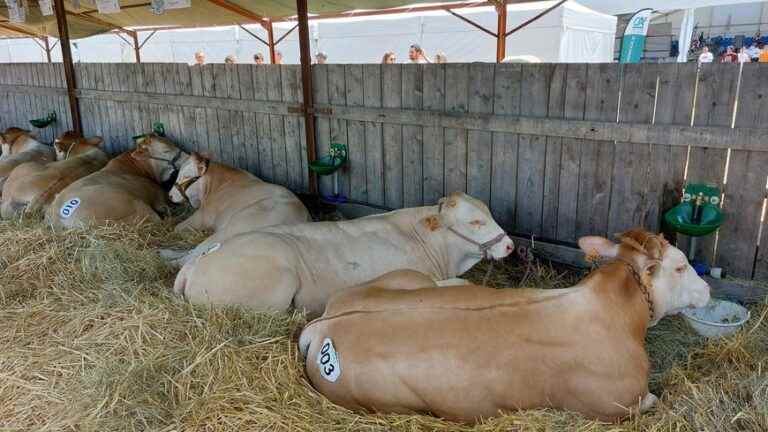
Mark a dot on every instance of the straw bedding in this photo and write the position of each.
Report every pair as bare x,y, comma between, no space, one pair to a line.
92,340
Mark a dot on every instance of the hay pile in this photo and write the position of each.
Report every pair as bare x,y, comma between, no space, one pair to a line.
91,340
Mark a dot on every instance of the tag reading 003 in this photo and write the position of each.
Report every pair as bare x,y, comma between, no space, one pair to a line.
328,361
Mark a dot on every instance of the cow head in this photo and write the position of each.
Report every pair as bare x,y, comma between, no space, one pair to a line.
71,144
471,222
9,138
674,284
189,185
162,156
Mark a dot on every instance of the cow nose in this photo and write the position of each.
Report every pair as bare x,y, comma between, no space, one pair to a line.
510,248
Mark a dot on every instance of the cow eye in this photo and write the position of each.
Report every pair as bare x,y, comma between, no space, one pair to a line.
477,223
681,269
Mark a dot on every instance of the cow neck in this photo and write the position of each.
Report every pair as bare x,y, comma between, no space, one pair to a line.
619,283
216,178
128,164
432,243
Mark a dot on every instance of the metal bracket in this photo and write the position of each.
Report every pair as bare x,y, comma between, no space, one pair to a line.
299,109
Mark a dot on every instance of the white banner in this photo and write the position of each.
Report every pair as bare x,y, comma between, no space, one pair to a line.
46,7
178,4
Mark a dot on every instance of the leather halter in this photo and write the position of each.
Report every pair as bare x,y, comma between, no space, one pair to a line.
645,289
171,162
484,247
186,184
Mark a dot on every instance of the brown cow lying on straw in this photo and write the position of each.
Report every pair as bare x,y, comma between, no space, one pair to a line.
20,146
32,186
229,201
398,344
126,190
302,265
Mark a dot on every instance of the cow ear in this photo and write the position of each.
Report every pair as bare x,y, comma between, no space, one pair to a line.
94,141
596,246
202,166
652,267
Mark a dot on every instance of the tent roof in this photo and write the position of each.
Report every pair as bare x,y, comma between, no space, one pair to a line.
86,21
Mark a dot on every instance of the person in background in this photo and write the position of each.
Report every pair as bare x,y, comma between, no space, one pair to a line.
763,58
230,59
441,58
389,58
743,56
753,52
278,57
199,58
729,56
321,57
706,56
258,58
416,54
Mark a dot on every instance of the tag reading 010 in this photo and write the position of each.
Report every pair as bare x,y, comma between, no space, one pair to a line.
328,361
68,209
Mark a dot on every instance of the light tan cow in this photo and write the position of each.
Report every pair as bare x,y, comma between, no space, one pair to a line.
126,190
32,186
230,201
302,265
398,344
20,146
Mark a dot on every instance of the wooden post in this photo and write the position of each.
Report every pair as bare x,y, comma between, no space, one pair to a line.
136,46
271,41
69,67
306,85
501,32
47,49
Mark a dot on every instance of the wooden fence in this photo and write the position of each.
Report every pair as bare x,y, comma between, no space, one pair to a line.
557,151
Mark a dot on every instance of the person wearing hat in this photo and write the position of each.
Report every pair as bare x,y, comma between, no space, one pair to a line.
321,57
258,58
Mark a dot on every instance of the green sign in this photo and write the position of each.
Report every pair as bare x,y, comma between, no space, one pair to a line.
633,43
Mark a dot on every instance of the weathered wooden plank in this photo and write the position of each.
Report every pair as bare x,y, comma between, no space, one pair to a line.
479,142
745,190
506,101
715,101
295,156
374,150
277,128
532,150
596,158
456,101
570,161
631,168
323,124
393,137
553,154
337,95
413,145
433,147
355,97
249,150
221,90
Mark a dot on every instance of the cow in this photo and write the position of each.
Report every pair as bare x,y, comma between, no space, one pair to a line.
400,345
229,201
20,146
32,186
302,265
127,190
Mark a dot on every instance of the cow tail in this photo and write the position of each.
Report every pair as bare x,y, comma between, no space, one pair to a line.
307,336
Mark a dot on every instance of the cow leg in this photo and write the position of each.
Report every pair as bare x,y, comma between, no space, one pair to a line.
193,222
173,257
648,402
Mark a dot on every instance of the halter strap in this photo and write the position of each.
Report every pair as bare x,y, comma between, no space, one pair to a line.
171,162
643,287
484,246
186,184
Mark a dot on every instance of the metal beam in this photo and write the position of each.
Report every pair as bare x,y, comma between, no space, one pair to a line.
472,23
271,39
20,30
234,8
69,67
254,35
48,49
306,87
399,10
277,42
501,32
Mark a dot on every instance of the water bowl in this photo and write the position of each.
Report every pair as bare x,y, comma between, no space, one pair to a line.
719,318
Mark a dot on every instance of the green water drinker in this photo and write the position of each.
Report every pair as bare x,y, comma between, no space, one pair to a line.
44,122
698,214
330,164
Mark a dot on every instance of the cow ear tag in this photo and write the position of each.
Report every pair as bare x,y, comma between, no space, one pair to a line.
328,361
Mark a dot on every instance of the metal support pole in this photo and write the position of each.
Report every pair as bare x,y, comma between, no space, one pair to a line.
271,42
136,46
69,67
501,32
306,81
47,49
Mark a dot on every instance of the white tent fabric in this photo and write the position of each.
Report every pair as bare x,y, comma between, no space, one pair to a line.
616,7
572,33
686,34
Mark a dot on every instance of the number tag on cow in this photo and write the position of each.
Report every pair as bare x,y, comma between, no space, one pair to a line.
328,361
68,209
